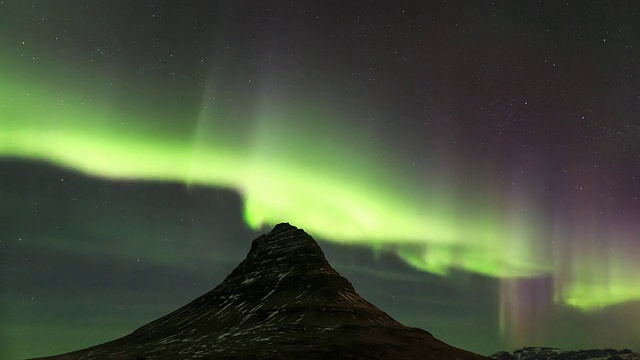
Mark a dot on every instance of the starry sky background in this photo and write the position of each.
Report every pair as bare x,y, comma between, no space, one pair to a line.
473,168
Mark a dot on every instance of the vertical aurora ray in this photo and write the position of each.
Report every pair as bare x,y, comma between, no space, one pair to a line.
326,179
598,268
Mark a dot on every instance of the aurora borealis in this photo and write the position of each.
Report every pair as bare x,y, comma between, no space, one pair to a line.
481,162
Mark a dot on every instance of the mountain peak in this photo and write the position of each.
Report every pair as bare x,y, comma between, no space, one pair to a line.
283,301
285,251
284,240
283,226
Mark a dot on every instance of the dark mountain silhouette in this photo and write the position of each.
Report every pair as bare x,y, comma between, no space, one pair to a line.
284,301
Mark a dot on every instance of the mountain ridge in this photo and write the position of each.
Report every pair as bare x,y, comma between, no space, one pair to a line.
548,353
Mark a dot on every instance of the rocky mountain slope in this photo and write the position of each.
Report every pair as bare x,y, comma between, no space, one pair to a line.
545,353
284,301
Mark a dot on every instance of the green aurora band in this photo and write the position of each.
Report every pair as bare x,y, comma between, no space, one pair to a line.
293,166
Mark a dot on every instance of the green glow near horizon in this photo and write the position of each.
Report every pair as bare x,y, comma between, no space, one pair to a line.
324,180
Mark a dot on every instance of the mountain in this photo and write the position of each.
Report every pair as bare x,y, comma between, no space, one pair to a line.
284,301
546,353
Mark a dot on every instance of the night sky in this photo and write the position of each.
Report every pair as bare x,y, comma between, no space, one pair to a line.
472,167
